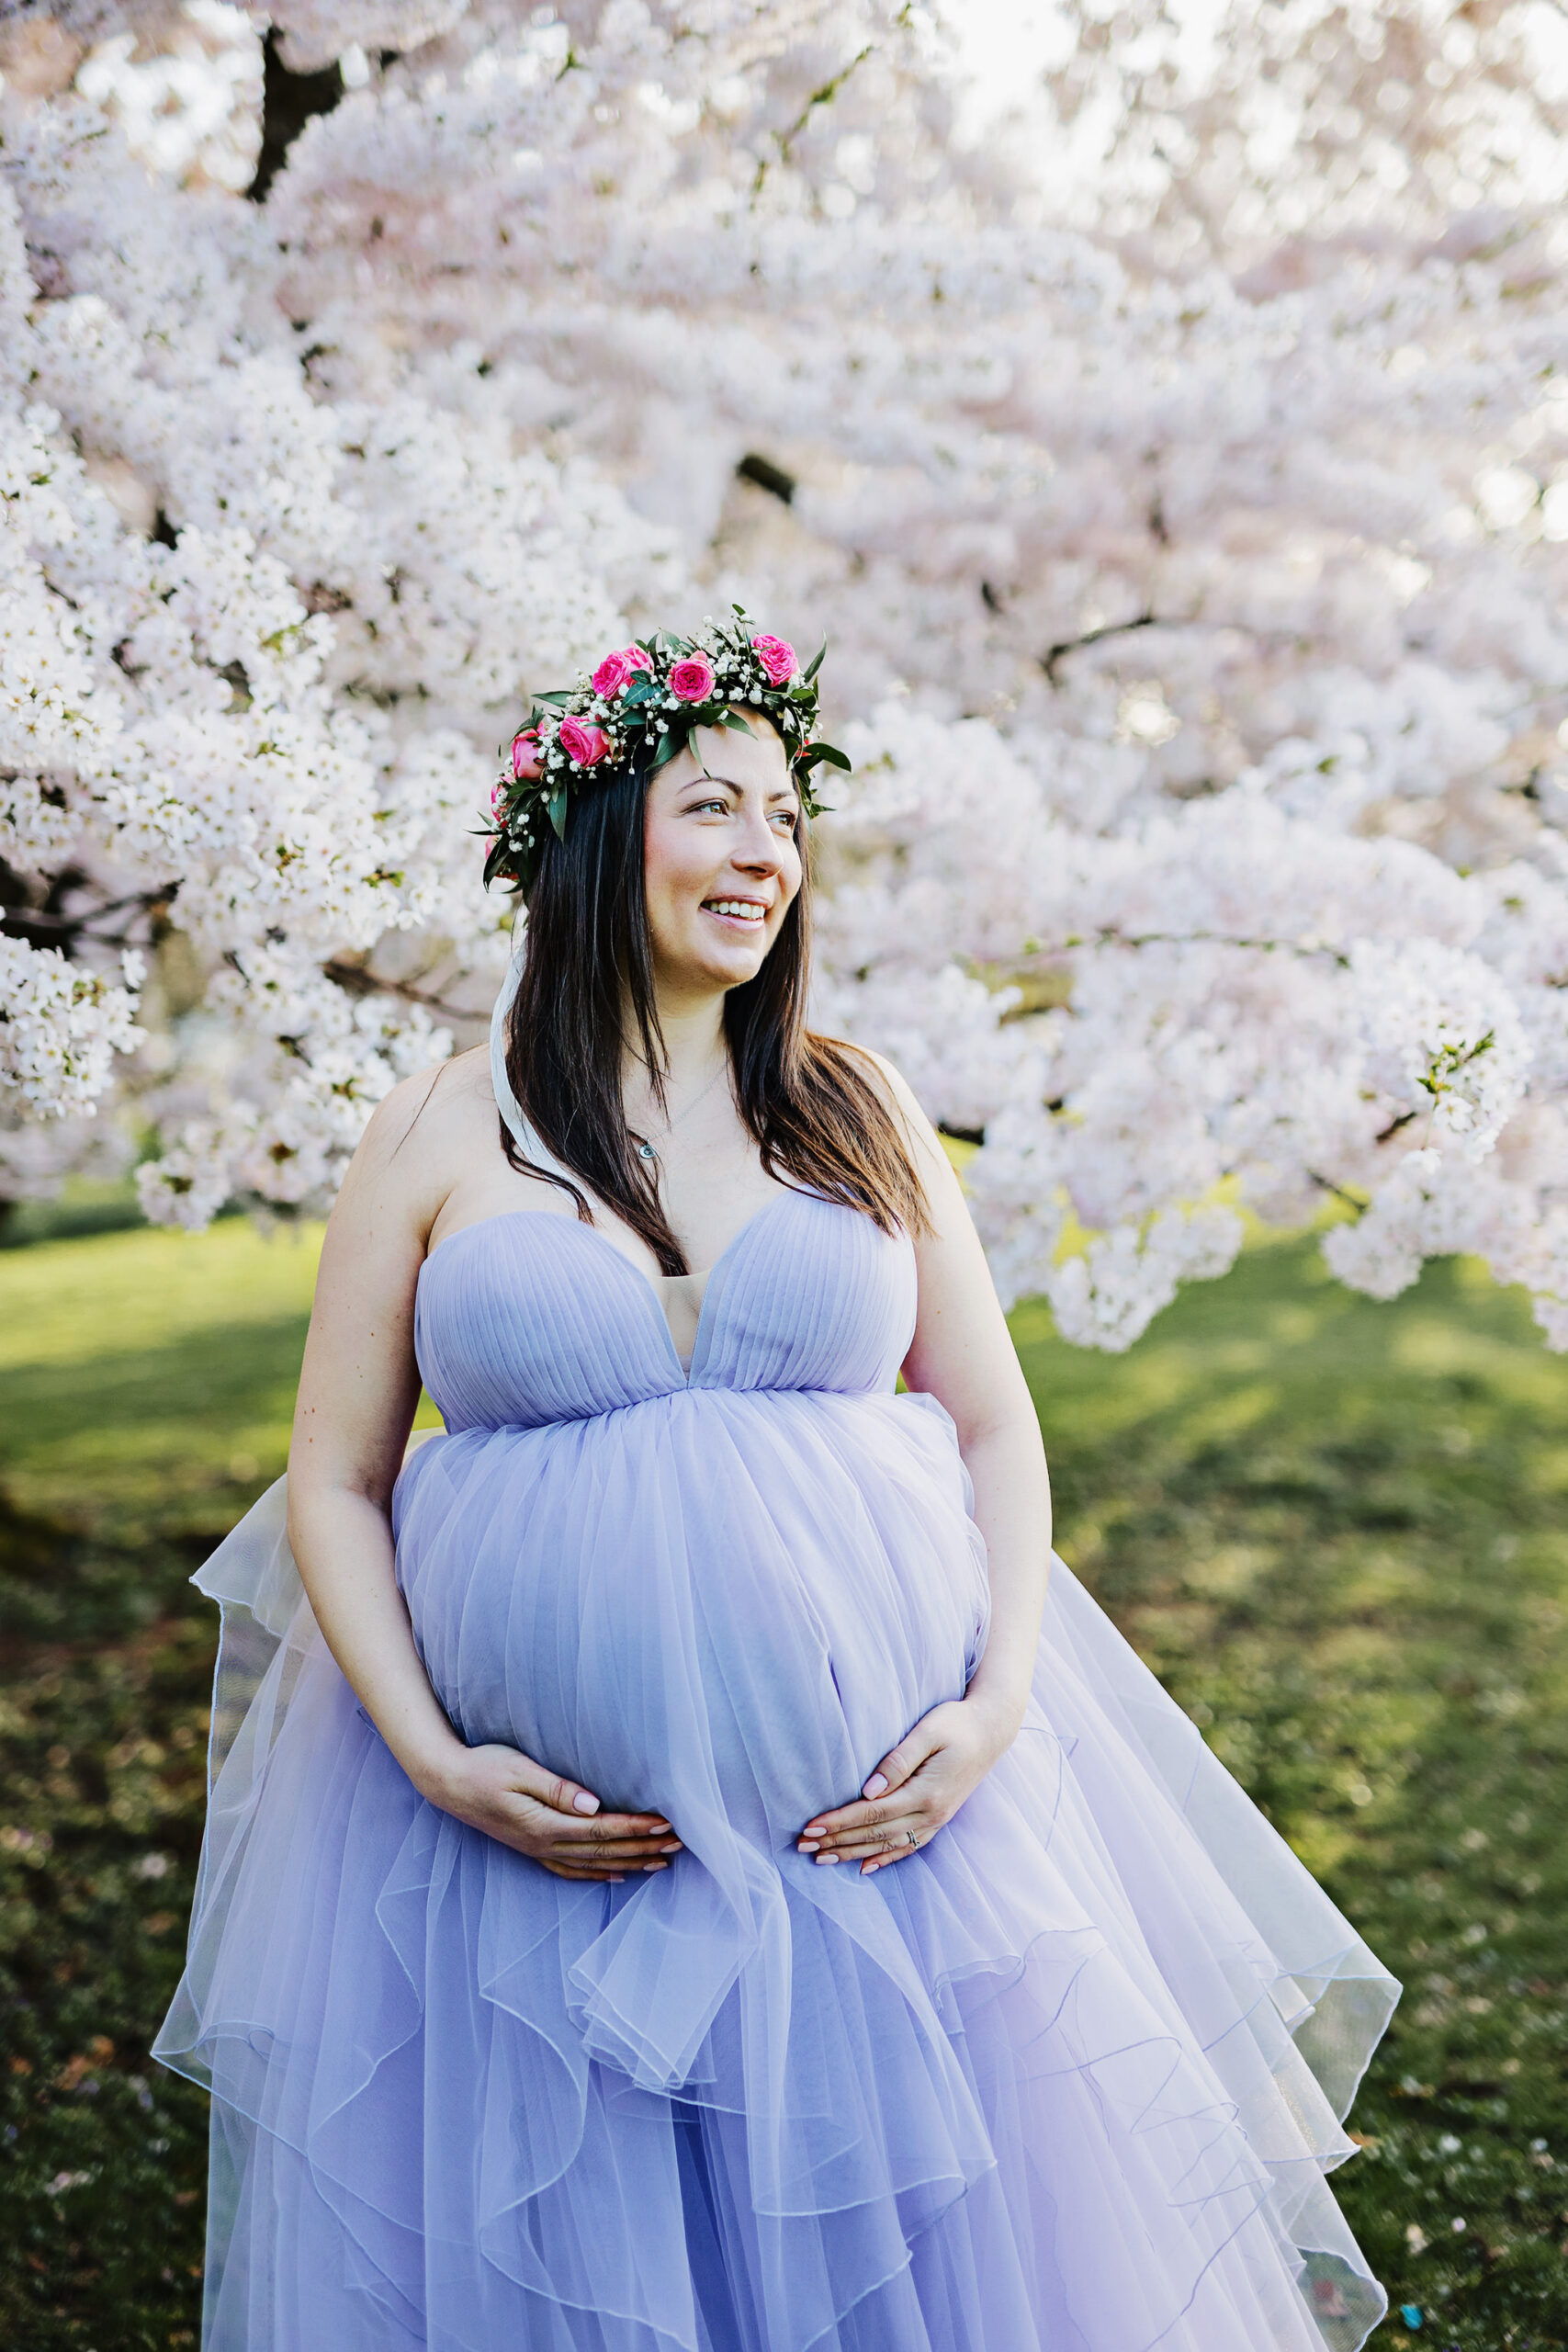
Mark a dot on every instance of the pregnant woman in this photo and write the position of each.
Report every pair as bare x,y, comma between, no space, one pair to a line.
678,1879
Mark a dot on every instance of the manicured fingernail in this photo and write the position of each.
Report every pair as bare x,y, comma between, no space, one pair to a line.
875,1785
826,1858
656,1866
809,1845
673,1847
583,1802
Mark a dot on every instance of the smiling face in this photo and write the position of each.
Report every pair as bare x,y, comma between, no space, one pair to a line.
720,863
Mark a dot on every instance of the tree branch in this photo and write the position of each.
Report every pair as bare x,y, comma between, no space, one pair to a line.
355,980
784,139
766,476
1111,937
46,926
1327,1184
1048,661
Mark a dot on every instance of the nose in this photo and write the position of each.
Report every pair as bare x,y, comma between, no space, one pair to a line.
760,849
760,853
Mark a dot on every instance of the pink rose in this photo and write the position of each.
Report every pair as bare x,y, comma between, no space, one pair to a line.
526,763
584,743
618,670
693,679
777,658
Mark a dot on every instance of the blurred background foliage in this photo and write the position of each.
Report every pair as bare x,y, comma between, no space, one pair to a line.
1336,1529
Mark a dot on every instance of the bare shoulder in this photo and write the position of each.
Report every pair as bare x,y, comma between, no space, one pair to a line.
421,1134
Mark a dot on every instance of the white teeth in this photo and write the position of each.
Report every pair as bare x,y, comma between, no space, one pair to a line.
745,908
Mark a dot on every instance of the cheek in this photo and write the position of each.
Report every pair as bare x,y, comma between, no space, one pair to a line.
671,872
675,885
685,882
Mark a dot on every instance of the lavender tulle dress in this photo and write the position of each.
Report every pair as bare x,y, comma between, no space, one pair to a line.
1068,2079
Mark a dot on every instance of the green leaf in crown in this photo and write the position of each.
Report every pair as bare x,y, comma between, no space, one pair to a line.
640,707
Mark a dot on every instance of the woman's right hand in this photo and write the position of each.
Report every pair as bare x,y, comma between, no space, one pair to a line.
554,1821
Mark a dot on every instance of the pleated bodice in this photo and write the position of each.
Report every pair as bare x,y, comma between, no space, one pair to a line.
514,1329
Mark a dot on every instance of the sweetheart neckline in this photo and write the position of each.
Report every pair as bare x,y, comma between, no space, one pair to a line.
639,1275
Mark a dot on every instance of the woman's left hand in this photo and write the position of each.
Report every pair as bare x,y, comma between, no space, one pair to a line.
914,1790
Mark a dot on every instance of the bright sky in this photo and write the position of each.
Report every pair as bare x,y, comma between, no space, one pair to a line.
1003,45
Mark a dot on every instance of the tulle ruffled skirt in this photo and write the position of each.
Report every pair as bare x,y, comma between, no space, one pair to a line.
1069,2076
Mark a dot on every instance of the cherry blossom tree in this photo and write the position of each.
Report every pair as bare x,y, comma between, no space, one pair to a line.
254,645
1181,475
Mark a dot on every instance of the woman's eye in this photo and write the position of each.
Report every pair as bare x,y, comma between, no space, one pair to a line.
783,818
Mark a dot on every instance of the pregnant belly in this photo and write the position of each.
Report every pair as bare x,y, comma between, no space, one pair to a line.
721,1599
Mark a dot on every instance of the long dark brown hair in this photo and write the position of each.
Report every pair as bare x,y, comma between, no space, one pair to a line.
815,1107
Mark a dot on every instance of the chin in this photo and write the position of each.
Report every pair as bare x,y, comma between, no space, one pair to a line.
738,970
743,962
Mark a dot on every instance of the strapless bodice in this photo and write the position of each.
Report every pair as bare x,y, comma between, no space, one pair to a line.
532,1317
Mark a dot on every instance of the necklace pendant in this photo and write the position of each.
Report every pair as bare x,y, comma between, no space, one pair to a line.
646,1151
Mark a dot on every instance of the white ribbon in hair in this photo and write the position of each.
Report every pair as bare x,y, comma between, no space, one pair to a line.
532,1145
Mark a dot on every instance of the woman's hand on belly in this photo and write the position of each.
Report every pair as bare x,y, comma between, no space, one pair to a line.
554,1821
914,1790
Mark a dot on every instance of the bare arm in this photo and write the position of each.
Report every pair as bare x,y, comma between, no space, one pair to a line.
962,1354
358,1390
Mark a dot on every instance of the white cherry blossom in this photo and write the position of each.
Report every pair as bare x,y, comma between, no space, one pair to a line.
1190,531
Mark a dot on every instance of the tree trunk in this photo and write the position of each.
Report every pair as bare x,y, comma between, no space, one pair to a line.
288,100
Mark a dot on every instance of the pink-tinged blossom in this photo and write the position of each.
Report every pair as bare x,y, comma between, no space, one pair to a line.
582,740
777,658
618,670
1261,865
692,680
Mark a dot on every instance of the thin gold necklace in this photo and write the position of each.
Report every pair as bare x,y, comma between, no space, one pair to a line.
645,1151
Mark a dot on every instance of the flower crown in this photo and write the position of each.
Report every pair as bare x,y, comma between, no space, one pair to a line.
641,708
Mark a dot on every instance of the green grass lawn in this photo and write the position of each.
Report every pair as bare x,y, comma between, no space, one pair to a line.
1336,1530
